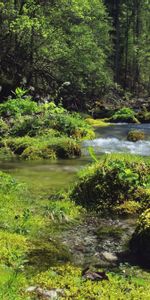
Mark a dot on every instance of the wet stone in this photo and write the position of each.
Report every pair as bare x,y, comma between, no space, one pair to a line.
87,248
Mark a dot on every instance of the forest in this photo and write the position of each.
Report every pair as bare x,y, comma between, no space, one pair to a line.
74,149
79,51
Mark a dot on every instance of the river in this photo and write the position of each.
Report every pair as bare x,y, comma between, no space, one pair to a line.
44,176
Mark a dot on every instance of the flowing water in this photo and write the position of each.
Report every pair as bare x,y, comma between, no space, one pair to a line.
114,139
44,177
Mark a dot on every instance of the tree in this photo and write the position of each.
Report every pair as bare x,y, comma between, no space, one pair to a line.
47,43
131,40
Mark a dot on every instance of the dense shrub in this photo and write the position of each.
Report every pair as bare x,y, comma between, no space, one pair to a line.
110,182
73,125
135,135
26,117
19,105
125,114
26,125
54,131
140,243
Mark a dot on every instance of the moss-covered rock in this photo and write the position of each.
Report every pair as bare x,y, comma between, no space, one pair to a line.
44,147
109,183
97,122
140,242
135,135
34,153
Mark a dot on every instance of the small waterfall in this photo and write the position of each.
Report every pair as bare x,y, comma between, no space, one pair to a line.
110,145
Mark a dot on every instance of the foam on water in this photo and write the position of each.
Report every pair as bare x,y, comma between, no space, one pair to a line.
110,145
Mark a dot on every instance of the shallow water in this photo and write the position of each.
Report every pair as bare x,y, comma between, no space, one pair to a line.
44,176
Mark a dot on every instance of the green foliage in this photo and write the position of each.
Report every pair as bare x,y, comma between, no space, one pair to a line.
69,279
125,114
50,134
19,105
62,210
135,135
110,182
73,125
74,51
3,128
92,154
9,185
12,284
13,248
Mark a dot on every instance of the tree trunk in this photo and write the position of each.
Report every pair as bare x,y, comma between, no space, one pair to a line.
117,39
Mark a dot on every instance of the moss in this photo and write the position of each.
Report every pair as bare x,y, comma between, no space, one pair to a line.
44,254
109,183
33,153
13,248
44,147
97,122
69,279
135,135
129,207
140,242
109,231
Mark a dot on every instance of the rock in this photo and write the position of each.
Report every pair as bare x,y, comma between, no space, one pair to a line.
31,289
52,294
109,256
94,275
